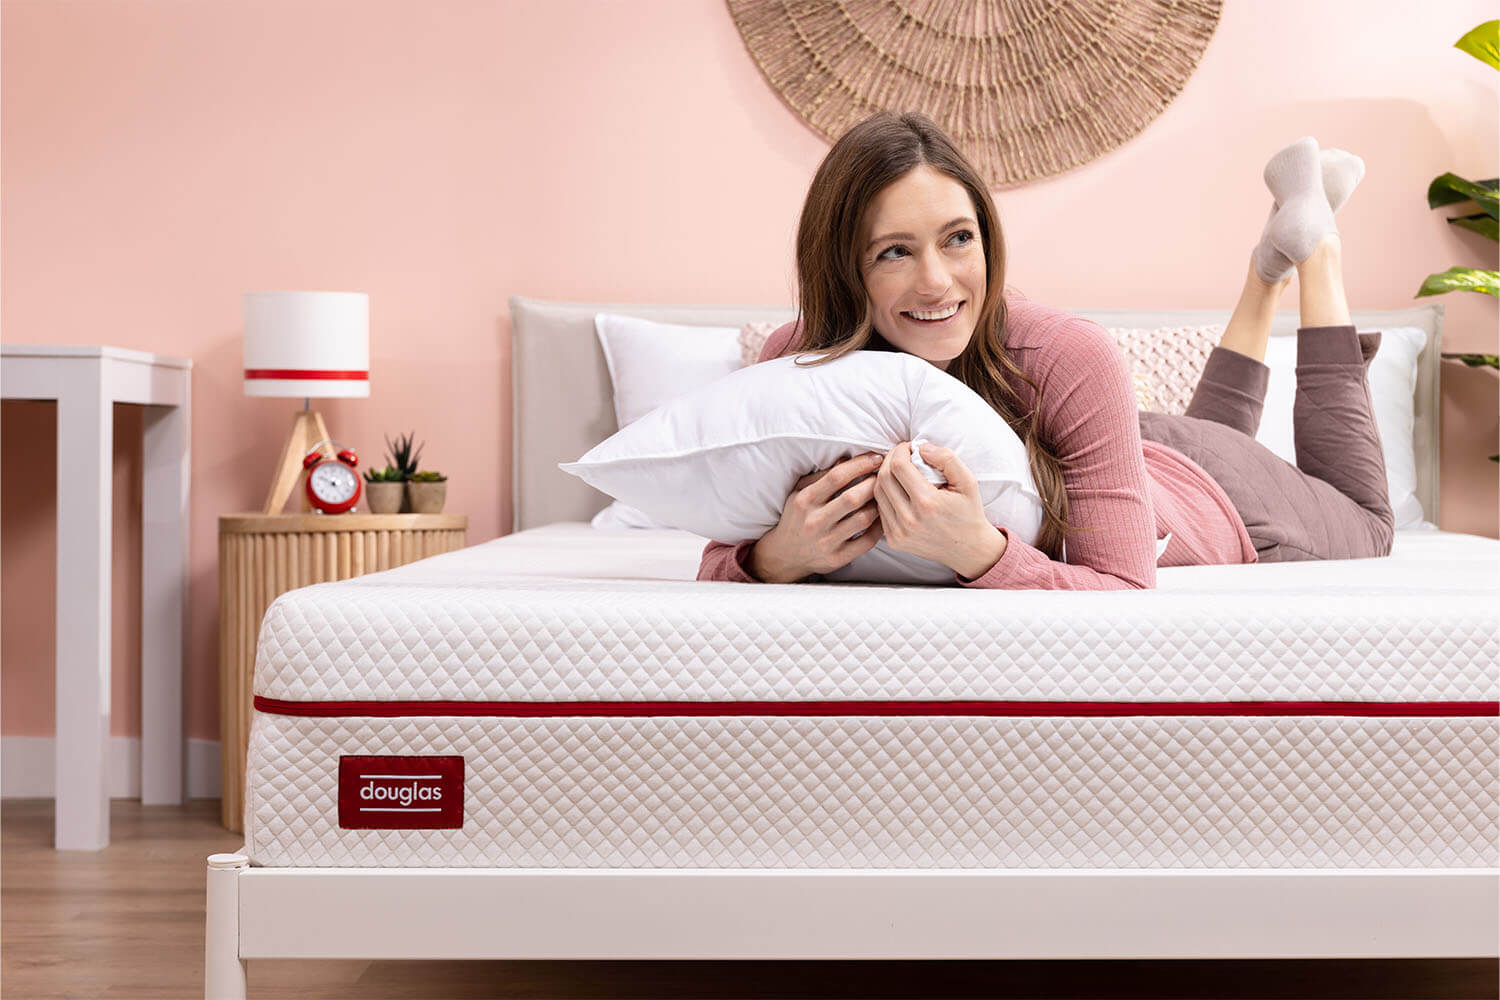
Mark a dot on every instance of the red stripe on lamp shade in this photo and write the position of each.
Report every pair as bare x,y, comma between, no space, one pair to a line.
307,374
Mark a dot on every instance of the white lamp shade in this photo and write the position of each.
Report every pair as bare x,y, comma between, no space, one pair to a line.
307,344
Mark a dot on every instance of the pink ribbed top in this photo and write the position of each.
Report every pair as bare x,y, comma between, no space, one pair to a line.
1123,493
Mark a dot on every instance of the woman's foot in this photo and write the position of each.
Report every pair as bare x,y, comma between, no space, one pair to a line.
1342,172
1290,170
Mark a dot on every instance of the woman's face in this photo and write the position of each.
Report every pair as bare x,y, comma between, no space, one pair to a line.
923,263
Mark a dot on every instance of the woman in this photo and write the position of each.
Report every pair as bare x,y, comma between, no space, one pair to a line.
899,248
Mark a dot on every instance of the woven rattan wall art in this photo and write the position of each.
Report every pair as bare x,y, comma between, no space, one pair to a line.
1028,88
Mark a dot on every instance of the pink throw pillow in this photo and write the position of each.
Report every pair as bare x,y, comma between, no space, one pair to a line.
1167,362
753,338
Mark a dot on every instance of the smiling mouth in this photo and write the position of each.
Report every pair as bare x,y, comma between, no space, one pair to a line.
933,317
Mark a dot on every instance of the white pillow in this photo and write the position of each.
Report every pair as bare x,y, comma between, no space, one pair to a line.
721,460
1393,387
649,364
623,517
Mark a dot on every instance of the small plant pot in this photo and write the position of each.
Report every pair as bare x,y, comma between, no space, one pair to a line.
426,498
385,498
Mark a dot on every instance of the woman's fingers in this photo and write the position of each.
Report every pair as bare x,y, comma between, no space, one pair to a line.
856,547
807,480
859,519
831,481
854,497
894,502
905,472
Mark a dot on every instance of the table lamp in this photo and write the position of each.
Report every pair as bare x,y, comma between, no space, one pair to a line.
305,344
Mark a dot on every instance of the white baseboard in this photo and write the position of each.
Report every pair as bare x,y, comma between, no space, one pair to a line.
28,768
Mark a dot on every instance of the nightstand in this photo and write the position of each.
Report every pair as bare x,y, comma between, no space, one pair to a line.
262,556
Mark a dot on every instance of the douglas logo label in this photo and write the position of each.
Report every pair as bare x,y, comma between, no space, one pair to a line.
401,793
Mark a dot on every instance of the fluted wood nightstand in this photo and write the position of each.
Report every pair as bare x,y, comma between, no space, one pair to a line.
263,556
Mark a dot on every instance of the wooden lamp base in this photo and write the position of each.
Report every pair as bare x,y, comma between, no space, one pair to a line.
307,430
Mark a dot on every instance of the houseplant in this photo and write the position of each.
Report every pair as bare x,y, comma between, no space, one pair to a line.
385,490
402,456
1483,43
426,492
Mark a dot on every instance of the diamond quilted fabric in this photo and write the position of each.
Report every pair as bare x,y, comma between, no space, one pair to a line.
899,793
564,613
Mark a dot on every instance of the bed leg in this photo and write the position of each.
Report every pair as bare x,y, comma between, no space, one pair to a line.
223,972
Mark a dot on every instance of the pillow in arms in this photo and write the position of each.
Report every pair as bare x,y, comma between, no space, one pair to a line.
721,460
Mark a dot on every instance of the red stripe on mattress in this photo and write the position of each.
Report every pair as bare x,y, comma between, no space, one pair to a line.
638,709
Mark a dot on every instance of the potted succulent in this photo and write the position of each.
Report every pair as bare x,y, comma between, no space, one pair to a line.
401,456
385,490
426,492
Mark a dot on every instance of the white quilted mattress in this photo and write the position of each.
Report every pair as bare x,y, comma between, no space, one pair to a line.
591,705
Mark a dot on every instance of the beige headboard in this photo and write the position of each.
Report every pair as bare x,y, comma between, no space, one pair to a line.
563,403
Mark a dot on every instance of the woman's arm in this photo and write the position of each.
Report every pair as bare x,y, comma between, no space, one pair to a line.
1091,418
732,562
727,562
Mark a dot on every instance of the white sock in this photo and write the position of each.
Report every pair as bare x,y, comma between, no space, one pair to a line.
1341,173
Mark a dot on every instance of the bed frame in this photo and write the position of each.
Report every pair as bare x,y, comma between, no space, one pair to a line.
562,403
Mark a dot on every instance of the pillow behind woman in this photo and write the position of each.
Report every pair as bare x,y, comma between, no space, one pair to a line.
720,460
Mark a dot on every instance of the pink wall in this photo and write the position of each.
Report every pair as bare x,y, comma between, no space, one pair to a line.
161,158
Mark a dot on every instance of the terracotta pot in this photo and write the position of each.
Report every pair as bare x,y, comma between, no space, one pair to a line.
384,498
426,498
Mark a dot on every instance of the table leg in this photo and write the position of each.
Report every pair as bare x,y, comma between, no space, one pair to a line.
164,586
85,460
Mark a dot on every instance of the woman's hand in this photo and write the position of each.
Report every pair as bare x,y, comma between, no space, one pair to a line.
945,524
818,523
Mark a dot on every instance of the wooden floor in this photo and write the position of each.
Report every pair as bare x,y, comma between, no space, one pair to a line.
127,922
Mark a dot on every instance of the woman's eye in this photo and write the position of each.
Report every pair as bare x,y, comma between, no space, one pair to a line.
963,236
890,253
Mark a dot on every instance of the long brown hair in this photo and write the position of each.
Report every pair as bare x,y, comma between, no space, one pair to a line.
831,300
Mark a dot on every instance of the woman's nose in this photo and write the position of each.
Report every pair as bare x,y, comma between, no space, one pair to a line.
932,274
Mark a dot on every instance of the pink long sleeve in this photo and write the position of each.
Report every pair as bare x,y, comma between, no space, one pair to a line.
1089,417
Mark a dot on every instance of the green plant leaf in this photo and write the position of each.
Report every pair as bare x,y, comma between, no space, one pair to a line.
1450,189
1461,279
1475,360
1483,43
1478,223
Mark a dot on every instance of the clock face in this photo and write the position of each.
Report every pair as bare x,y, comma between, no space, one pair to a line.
333,482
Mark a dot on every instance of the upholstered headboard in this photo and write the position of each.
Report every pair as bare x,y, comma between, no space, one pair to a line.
563,405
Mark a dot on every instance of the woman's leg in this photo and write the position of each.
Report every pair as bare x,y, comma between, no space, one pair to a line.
1313,184
1250,325
1333,504
1232,388
1320,286
1333,417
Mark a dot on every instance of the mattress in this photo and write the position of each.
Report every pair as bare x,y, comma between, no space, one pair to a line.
565,697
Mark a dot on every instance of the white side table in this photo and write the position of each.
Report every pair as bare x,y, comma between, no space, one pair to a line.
86,381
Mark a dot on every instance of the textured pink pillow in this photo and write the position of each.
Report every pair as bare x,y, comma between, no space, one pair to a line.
752,339
1166,362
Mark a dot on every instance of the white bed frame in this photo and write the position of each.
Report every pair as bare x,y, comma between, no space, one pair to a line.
457,913
452,913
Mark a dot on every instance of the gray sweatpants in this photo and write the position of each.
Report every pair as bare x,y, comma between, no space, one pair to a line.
1333,503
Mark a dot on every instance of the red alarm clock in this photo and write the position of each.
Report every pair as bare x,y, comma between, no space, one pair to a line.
333,486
